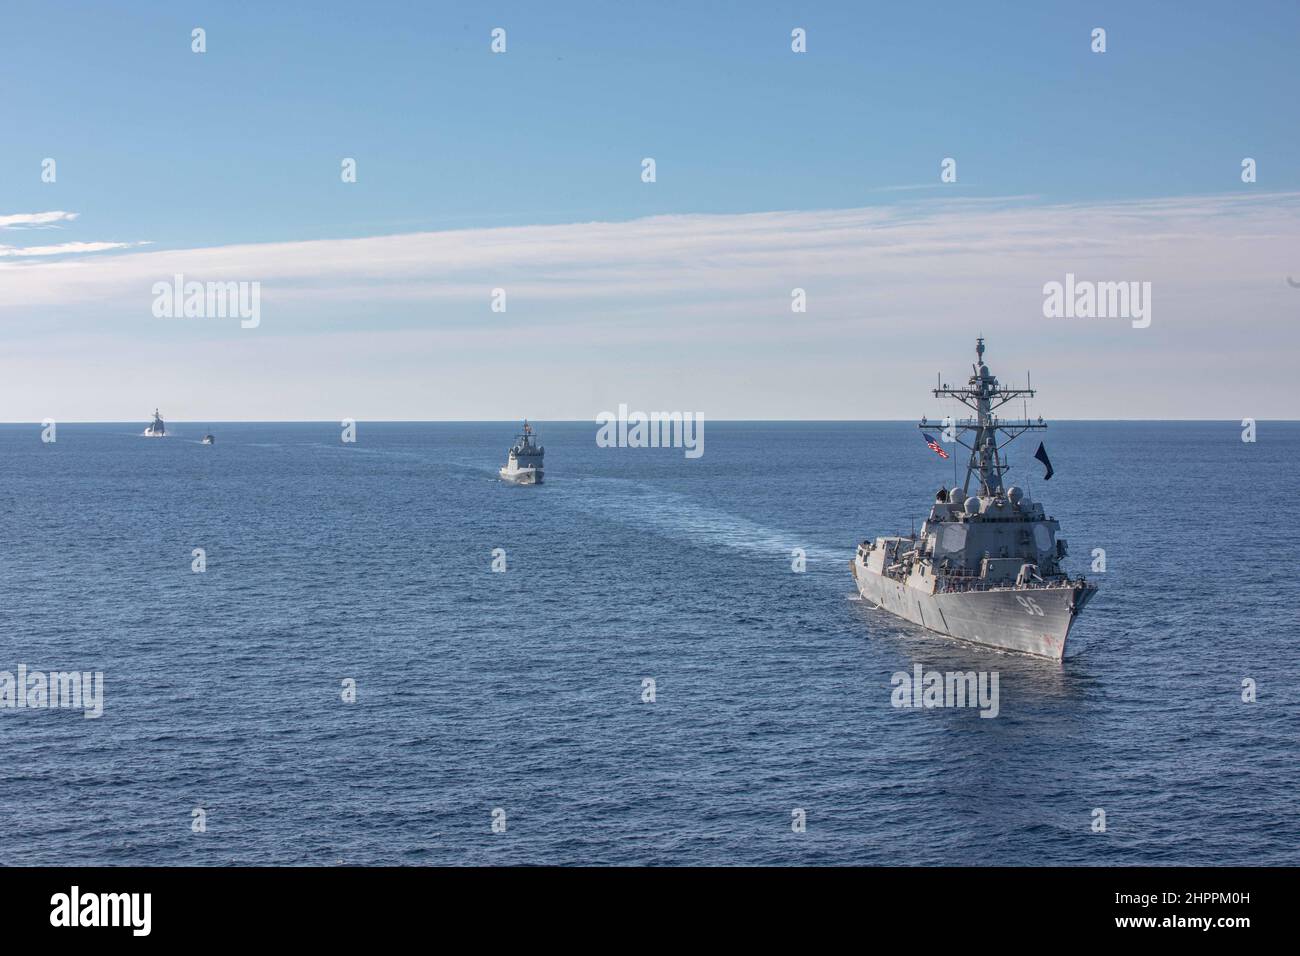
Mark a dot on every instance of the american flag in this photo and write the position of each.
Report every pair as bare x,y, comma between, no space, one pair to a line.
934,445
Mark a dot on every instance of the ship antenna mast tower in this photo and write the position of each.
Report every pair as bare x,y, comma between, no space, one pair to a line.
989,434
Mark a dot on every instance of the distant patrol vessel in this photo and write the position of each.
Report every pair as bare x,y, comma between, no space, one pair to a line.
986,566
156,429
524,466
208,439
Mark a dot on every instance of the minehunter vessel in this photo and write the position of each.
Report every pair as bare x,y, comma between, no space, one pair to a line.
524,466
156,429
986,567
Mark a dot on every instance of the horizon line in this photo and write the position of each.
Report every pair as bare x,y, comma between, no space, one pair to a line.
591,421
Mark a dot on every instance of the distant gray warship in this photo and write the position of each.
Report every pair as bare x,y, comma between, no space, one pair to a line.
156,429
524,466
986,566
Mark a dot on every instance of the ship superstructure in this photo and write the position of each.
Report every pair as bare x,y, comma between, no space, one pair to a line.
986,566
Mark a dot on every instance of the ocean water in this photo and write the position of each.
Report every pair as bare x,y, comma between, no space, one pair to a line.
522,690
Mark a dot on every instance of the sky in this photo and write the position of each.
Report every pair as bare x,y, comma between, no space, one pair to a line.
523,171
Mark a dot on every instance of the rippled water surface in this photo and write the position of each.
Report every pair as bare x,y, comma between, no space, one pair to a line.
522,691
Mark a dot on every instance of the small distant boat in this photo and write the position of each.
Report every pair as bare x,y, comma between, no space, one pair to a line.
209,440
156,429
524,466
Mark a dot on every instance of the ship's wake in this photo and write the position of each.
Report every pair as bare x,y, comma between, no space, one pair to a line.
680,517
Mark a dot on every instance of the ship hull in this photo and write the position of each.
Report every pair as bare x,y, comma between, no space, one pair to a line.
1028,620
522,476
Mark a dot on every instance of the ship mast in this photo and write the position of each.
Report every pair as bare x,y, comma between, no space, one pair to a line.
984,396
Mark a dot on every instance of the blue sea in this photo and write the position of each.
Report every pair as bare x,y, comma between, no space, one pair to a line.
517,696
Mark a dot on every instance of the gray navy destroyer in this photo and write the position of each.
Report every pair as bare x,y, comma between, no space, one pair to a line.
986,567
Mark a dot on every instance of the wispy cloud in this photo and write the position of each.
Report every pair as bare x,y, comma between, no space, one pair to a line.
65,248
54,219
694,311
904,255
23,220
